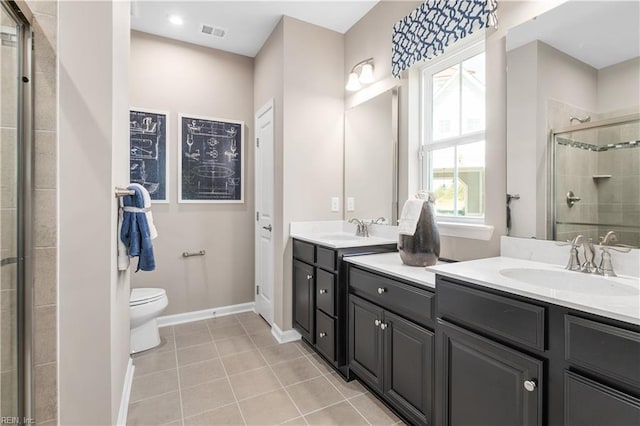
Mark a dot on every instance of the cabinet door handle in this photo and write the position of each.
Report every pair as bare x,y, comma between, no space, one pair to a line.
309,277
383,326
322,335
377,323
323,291
530,385
381,290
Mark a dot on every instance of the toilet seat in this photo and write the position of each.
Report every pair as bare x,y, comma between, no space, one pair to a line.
141,296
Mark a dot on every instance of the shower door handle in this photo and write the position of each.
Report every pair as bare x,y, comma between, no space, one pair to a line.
8,261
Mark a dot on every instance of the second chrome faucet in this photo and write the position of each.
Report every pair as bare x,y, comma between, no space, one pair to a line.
608,242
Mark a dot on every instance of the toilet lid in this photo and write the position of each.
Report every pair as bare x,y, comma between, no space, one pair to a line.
140,296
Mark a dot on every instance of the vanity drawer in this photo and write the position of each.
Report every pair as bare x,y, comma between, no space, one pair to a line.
325,291
504,317
325,335
304,251
611,351
326,258
413,303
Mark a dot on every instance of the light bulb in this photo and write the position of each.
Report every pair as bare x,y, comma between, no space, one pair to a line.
353,84
366,75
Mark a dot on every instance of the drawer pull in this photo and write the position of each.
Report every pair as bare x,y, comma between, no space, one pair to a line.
322,335
383,326
381,290
309,277
323,291
377,323
530,385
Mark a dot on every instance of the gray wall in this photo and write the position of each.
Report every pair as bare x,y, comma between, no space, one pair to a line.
93,135
178,77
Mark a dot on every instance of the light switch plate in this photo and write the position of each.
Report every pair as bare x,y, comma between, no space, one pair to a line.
351,204
335,204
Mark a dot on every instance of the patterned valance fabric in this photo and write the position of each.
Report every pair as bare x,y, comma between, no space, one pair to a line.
429,29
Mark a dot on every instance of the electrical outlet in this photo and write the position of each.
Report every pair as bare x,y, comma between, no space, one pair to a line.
351,204
335,204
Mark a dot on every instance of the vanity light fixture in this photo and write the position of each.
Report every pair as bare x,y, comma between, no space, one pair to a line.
175,20
361,73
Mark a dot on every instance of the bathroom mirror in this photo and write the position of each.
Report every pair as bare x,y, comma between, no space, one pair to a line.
371,159
573,135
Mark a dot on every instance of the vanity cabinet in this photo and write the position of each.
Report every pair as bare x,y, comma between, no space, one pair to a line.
389,348
320,297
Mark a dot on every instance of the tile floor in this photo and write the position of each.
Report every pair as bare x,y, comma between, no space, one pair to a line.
231,371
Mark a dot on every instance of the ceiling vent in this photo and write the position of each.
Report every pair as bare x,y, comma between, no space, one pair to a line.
213,31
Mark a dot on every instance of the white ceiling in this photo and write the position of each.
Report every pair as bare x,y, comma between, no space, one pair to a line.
599,33
248,23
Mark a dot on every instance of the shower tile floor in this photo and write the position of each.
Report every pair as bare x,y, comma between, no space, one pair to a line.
231,371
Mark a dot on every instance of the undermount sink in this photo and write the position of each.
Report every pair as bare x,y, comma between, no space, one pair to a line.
340,237
570,281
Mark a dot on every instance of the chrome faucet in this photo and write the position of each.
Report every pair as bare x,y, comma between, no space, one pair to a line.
589,251
362,230
610,242
574,258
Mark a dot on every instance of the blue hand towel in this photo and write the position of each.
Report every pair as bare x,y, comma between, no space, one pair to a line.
135,232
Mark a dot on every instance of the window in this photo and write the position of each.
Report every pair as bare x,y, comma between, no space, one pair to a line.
453,133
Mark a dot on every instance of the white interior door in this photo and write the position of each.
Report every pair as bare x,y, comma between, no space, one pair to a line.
265,177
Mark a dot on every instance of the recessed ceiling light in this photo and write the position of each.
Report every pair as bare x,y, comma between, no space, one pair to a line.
175,20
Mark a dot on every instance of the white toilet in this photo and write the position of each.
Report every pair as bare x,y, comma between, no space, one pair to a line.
145,305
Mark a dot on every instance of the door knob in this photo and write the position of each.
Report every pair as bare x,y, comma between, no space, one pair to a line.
309,277
530,385
322,335
383,326
268,227
381,290
323,291
377,322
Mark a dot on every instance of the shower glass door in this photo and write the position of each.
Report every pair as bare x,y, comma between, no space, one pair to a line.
10,245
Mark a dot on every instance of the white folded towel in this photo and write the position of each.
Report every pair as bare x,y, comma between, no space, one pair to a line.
147,205
409,217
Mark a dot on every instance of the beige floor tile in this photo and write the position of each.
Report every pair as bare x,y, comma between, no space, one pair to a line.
190,327
192,339
234,330
314,394
279,353
373,410
263,338
246,316
347,389
305,348
296,370
165,331
271,408
154,384
155,411
255,325
242,362
197,353
298,421
227,415
201,372
224,321
339,414
234,345
154,362
206,397
255,382
321,364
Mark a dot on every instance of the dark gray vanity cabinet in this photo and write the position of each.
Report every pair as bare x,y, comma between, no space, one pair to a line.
389,348
503,359
320,297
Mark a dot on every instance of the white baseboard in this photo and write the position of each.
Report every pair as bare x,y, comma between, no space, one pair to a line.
126,394
284,336
184,317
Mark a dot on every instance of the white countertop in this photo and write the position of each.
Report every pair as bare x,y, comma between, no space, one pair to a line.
341,234
486,272
391,264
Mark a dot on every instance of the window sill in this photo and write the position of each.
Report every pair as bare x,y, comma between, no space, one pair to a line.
472,231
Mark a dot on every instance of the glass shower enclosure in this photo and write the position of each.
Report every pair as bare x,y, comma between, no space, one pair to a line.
596,180
15,196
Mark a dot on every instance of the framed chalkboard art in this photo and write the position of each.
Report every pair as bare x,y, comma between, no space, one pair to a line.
148,154
210,160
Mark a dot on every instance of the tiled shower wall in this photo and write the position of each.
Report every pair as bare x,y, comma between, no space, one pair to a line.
45,195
